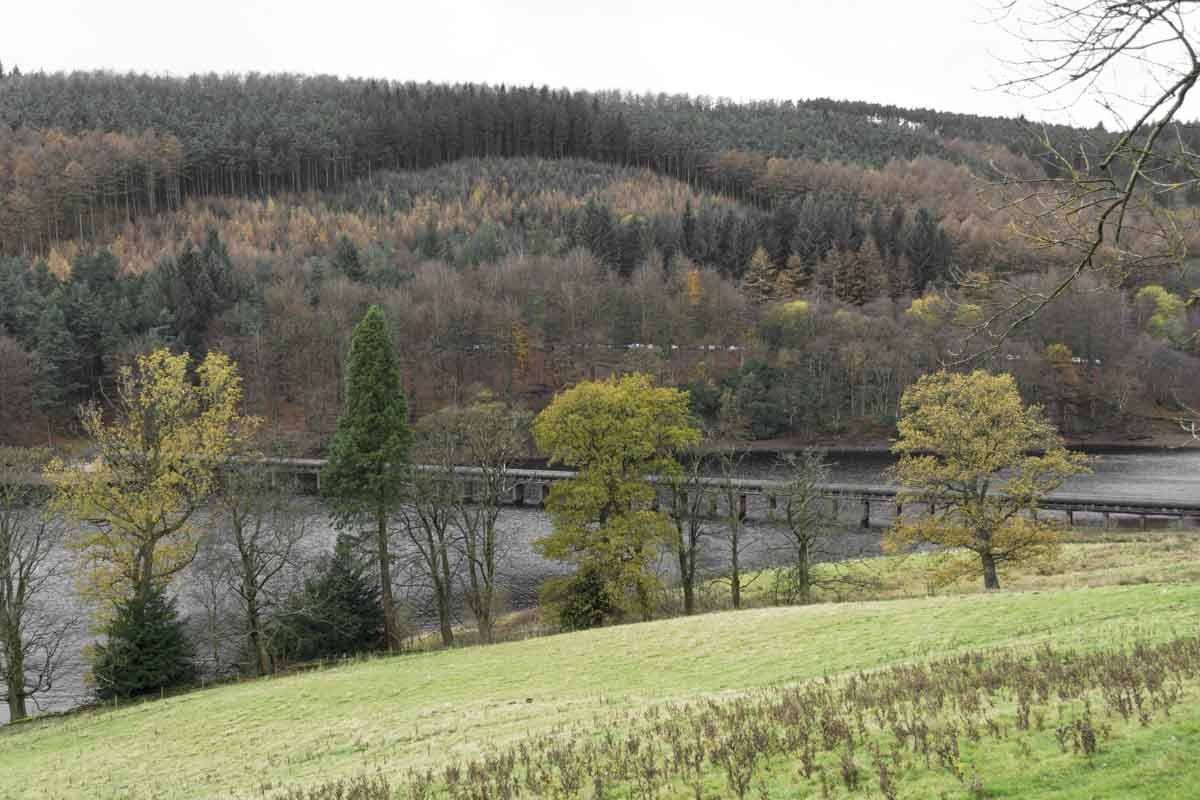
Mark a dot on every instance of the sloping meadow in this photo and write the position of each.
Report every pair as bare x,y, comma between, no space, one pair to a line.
715,701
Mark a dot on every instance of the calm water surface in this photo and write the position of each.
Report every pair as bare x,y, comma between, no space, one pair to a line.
1166,475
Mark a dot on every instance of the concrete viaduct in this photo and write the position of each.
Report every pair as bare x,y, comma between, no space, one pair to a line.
757,498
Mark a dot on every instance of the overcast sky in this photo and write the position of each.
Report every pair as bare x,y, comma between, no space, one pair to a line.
942,54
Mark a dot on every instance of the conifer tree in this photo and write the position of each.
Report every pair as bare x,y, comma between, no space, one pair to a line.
145,650
927,250
369,453
337,613
689,230
759,280
347,260
57,359
195,288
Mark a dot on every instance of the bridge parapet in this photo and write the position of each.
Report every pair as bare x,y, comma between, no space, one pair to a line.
531,487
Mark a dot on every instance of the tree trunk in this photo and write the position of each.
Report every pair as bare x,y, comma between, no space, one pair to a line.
445,623
735,570
14,670
257,643
385,582
484,617
644,603
447,584
687,577
735,581
439,572
16,703
804,574
481,576
990,579
143,576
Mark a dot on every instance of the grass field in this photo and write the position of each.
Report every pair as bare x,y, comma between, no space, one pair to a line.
1088,559
426,710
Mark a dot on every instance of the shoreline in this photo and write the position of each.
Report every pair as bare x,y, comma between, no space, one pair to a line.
1150,444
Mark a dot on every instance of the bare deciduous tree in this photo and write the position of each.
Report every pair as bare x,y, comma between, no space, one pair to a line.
490,437
427,514
806,523
1105,201
732,434
261,530
31,641
688,512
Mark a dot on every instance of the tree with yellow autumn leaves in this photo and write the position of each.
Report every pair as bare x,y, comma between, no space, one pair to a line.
158,456
981,462
617,433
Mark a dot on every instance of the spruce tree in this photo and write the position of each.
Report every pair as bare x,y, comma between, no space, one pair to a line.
195,288
689,230
58,382
337,613
363,479
927,250
144,651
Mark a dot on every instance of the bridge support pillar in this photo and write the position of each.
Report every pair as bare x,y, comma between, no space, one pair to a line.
772,504
1141,522
865,522
1107,521
1071,517
518,494
741,511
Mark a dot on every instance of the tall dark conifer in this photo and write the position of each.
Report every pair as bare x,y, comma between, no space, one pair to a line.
927,250
369,454
689,230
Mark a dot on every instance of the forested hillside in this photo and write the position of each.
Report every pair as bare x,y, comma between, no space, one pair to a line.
781,258
86,150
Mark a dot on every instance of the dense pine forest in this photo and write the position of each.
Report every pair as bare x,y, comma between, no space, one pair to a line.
796,261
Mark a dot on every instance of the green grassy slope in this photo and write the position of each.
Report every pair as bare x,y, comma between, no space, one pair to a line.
425,710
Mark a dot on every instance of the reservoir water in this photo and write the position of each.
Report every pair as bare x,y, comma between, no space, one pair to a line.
1150,475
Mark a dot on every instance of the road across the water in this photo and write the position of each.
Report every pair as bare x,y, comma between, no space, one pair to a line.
530,488
1173,476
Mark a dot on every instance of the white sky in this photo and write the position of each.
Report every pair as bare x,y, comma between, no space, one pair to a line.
931,53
